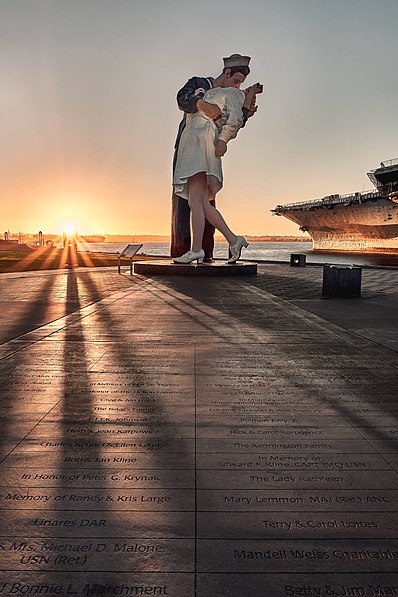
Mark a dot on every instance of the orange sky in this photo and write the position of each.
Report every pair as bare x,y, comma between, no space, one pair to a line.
89,115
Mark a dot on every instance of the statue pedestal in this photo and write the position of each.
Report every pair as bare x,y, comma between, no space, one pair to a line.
217,268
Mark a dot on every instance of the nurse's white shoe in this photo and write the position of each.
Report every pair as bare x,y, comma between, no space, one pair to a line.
236,249
190,256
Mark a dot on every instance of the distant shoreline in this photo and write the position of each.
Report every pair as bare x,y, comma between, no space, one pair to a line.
166,239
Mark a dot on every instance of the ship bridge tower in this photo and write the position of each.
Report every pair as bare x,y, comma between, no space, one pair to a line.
385,178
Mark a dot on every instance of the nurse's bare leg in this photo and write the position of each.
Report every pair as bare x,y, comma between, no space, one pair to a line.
215,218
197,190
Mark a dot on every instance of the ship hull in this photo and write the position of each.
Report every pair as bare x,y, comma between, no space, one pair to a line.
358,226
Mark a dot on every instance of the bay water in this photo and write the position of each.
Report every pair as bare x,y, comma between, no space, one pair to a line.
261,251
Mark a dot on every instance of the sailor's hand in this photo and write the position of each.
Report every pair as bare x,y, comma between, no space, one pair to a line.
221,148
257,88
250,100
211,110
250,92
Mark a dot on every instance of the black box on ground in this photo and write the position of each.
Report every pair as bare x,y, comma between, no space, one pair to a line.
341,281
297,260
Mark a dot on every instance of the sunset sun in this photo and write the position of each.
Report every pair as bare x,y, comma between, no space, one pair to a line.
70,228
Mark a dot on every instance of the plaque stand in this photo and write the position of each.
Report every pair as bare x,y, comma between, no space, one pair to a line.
129,252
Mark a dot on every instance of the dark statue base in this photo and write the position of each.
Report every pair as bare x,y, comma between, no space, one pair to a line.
217,268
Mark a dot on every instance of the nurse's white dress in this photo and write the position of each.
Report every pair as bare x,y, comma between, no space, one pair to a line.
196,151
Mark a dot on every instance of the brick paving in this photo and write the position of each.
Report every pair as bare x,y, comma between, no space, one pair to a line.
198,437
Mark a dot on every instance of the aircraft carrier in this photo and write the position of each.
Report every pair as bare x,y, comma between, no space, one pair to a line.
361,221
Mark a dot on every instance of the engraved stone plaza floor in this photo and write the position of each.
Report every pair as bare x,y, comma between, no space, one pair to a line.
198,436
